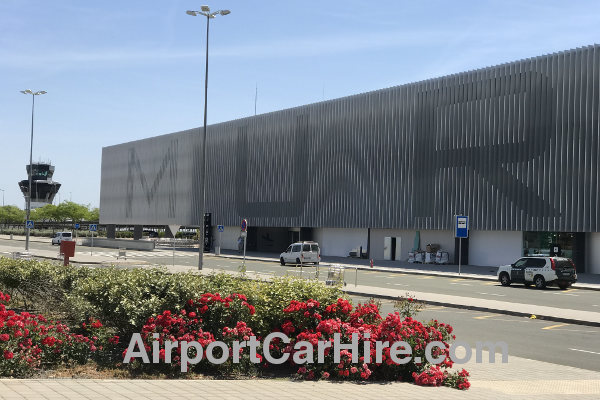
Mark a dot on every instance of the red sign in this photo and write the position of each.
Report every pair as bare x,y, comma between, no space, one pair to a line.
244,225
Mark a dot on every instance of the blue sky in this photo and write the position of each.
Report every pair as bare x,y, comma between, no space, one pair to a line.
117,71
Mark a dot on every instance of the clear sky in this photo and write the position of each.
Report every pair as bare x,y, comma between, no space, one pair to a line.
117,71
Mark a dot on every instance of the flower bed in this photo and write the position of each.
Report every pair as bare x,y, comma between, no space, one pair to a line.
304,311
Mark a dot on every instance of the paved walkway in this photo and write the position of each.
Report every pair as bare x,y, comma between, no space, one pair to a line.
520,378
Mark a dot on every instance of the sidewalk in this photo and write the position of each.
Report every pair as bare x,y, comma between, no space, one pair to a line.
520,378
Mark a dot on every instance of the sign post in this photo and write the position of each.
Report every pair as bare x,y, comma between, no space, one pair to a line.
220,229
76,230
244,228
93,228
461,231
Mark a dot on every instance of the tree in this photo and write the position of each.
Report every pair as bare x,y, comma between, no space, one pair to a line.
94,214
45,213
12,215
67,210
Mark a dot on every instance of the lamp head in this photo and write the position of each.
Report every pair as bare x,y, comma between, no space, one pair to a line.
224,12
205,8
192,13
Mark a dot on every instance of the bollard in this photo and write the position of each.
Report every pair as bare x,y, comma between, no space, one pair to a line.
355,276
371,263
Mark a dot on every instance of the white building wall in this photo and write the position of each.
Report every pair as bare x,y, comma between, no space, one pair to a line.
441,237
593,253
493,248
228,238
339,241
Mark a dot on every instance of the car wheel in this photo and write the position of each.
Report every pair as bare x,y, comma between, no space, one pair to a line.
281,261
539,282
564,285
504,279
297,261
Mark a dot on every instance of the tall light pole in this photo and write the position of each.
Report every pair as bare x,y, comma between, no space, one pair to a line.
204,10
2,197
33,94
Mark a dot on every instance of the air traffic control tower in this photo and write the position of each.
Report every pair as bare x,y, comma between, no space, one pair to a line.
43,187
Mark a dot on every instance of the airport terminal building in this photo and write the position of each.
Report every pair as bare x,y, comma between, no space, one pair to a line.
515,147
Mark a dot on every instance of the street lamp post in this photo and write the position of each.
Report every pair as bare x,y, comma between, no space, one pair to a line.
205,11
2,197
33,94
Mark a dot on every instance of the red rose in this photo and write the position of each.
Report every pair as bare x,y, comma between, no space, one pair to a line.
8,354
4,337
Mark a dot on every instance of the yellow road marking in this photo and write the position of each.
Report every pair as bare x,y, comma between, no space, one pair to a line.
484,316
457,280
555,326
427,277
490,283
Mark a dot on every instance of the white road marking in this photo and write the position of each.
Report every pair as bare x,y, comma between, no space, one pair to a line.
400,284
585,351
567,294
492,294
462,284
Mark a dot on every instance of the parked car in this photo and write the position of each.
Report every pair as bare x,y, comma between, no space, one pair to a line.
540,271
60,236
301,253
151,234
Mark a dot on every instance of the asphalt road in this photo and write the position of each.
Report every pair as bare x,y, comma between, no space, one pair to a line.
576,299
573,345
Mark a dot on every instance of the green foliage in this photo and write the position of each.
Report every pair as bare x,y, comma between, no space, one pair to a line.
11,215
65,211
124,299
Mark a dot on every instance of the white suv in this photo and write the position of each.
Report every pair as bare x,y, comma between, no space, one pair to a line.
301,253
60,236
539,271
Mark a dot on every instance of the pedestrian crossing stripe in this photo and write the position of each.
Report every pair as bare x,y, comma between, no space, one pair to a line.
140,254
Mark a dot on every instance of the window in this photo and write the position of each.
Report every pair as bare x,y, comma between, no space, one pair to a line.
536,263
296,248
314,248
521,263
306,247
289,249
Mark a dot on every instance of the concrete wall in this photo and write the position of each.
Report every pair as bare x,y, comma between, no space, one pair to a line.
593,253
444,238
339,241
493,248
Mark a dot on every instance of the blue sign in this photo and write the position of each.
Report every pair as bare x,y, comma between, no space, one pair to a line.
77,226
93,227
244,225
220,228
29,224
462,226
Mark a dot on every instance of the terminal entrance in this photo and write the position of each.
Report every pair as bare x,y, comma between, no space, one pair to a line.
562,244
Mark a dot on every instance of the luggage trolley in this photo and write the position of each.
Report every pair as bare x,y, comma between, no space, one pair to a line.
335,275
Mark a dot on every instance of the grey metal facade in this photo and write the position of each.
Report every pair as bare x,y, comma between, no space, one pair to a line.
514,146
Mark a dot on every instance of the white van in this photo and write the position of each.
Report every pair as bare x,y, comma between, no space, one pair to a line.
301,253
60,236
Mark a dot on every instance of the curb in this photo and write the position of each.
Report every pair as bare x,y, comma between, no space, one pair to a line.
483,309
401,270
